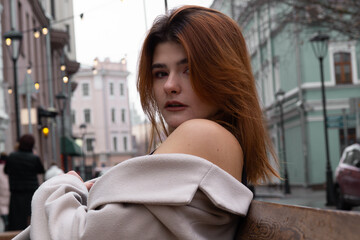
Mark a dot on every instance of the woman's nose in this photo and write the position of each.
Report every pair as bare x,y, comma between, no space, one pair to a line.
172,84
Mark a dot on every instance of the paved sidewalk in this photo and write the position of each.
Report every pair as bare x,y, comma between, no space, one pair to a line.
299,196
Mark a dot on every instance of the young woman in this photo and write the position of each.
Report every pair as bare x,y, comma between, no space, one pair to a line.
195,79
196,63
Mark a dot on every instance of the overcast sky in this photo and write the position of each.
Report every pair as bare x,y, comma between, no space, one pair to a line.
116,29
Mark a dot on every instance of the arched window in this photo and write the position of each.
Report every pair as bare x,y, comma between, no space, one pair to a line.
342,62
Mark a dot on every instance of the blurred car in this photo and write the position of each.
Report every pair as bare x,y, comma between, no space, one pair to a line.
347,178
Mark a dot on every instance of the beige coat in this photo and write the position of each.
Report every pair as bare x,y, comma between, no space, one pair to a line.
4,192
165,196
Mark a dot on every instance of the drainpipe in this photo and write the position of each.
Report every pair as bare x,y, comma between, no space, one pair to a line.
50,90
270,53
301,106
106,110
260,70
13,14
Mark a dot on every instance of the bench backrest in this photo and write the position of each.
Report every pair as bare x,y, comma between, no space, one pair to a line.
8,235
266,221
277,221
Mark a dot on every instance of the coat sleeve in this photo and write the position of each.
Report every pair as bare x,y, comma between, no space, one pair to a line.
59,209
60,212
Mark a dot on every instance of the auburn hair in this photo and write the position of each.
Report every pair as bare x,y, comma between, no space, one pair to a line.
220,73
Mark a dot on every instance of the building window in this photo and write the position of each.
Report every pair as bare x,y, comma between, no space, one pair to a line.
85,89
111,89
28,37
342,62
67,26
21,27
89,145
87,115
53,9
115,143
123,115
113,115
73,117
121,89
125,143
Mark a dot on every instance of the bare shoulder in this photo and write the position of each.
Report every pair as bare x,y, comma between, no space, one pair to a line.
209,140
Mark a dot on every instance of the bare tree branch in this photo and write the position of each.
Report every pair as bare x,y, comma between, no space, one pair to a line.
342,16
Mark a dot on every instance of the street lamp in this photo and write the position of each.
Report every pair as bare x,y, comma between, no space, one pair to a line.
166,6
319,44
94,157
13,38
82,166
62,98
280,97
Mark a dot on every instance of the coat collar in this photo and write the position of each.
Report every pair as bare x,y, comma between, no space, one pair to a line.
169,179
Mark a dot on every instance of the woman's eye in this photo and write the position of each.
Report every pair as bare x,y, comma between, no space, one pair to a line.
187,71
160,74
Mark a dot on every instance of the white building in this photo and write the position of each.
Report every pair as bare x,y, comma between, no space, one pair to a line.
101,103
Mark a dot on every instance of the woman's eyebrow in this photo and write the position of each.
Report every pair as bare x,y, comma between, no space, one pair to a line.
160,65
182,61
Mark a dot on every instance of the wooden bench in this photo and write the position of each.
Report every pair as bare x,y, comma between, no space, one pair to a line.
285,222
266,221
8,235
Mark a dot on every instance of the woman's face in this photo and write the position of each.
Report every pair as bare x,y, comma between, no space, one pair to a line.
175,97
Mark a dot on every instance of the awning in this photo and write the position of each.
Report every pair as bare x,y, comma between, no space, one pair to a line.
71,148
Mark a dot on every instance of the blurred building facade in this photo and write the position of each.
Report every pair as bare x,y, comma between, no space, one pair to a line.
48,42
282,58
101,113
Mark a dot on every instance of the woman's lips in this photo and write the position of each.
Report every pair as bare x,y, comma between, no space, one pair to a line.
174,106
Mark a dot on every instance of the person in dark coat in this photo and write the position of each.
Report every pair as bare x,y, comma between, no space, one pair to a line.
22,167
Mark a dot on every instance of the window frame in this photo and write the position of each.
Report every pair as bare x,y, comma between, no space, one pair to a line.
83,90
115,143
342,64
85,115
343,46
123,115
122,92
113,115
125,143
111,89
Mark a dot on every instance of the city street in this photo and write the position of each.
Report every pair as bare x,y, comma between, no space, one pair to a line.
299,196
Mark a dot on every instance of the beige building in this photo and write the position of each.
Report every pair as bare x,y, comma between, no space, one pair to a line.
100,104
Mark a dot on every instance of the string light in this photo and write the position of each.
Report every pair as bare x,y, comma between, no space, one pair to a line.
36,33
29,70
65,79
45,30
37,85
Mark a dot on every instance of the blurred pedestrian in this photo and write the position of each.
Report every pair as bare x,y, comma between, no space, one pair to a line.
22,167
53,171
4,191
